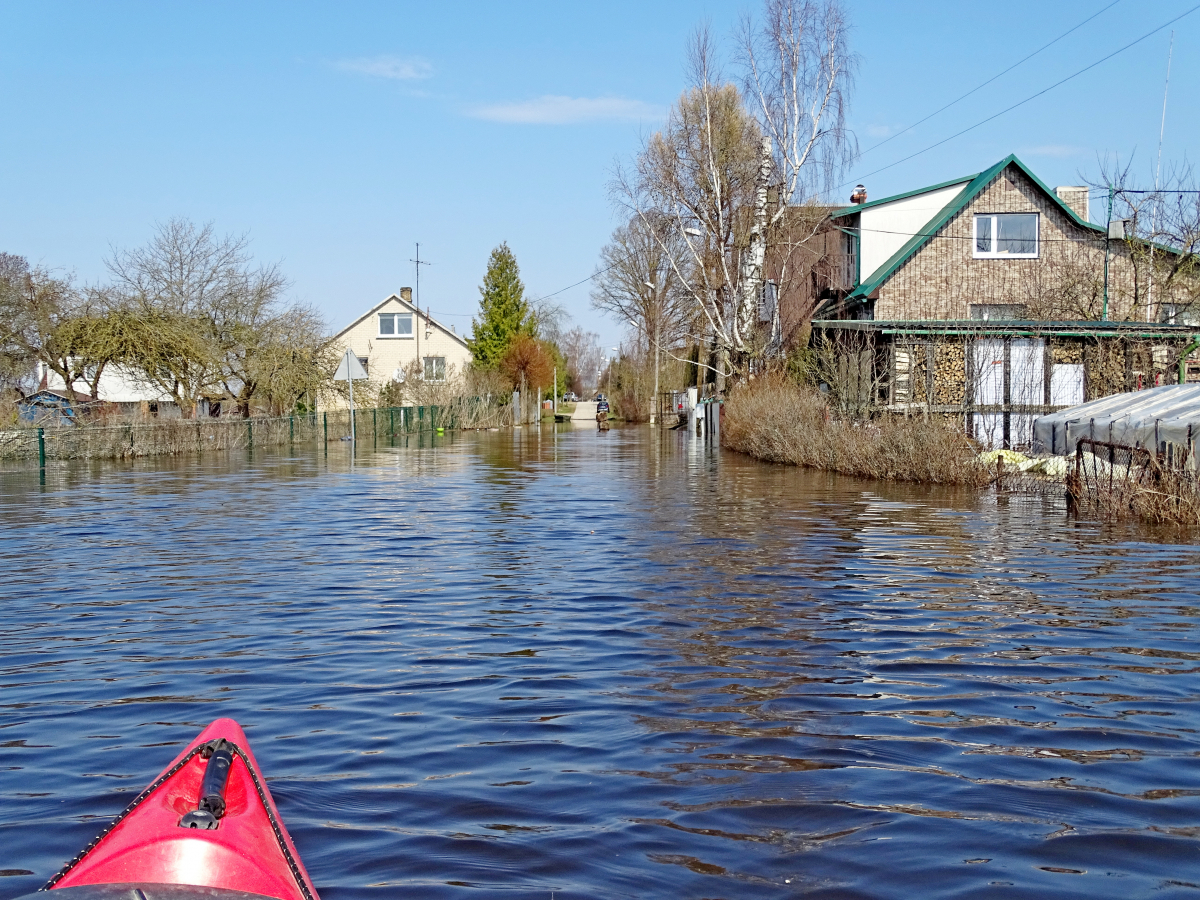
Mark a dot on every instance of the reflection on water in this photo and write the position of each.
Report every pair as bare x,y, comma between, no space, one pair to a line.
607,665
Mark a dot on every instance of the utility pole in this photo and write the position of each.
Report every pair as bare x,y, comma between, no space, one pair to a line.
656,337
1107,241
417,297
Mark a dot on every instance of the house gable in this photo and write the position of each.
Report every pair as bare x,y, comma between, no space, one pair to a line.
399,304
969,194
393,357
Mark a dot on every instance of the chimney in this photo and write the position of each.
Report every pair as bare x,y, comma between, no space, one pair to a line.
406,295
1075,197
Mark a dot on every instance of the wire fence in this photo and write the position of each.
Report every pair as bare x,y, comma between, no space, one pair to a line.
1118,481
204,435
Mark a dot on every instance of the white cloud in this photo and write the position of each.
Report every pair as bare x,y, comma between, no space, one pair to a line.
557,110
394,67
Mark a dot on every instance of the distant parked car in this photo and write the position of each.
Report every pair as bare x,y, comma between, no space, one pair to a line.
600,397
601,405
570,397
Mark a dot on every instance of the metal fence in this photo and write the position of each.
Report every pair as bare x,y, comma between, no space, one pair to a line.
203,435
1120,481
1106,466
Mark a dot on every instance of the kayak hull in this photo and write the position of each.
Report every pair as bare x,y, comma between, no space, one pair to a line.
249,851
145,891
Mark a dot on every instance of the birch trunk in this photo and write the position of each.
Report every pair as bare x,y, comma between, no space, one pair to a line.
750,278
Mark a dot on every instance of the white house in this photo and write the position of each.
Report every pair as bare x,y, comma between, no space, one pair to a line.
121,387
390,337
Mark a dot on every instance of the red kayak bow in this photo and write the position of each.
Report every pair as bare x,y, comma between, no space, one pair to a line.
205,828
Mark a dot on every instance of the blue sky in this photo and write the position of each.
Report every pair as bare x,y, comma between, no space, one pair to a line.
339,135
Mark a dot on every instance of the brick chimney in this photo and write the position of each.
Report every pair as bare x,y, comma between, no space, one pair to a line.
1075,197
406,295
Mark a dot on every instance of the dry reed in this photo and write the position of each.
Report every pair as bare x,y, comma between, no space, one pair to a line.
1149,493
774,420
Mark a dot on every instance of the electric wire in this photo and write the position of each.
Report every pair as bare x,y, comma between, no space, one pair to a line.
990,80
969,128
1031,97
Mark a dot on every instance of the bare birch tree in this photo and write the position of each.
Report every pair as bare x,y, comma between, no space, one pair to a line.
712,170
798,75
697,177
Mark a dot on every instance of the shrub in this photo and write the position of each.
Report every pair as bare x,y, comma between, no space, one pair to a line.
773,419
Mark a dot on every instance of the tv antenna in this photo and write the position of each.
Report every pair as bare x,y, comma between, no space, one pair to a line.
418,262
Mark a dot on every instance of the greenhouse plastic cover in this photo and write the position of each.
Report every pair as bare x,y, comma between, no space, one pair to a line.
1148,418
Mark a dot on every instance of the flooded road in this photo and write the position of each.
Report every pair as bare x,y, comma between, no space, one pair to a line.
570,664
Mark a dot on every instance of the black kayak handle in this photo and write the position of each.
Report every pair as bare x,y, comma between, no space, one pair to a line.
211,805
216,779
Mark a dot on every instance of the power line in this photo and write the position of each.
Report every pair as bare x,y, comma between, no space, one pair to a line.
584,281
979,123
982,121
1045,90
990,80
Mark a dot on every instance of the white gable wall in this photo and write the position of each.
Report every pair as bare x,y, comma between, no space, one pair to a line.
888,227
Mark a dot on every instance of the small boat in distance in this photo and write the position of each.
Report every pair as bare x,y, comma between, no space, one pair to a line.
205,829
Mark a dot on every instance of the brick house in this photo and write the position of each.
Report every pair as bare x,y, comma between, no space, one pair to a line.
993,298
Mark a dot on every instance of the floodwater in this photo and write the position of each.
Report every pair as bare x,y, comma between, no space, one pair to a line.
570,664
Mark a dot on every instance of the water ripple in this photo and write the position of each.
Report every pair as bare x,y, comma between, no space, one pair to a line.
607,665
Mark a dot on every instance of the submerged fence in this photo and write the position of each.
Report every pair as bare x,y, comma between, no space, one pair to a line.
176,436
1120,481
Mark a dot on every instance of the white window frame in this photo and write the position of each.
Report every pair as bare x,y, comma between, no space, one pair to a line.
396,316
993,226
425,361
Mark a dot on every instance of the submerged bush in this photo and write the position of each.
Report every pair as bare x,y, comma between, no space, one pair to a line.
774,420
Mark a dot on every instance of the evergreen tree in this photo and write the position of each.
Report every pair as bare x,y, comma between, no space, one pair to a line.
504,312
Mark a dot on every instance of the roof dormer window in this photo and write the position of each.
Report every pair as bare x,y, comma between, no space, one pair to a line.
395,325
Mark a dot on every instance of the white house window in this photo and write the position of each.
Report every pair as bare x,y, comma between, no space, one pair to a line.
1177,314
395,325
435,368
362,361
1006,236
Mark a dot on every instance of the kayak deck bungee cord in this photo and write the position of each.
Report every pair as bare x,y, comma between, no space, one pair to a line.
205,829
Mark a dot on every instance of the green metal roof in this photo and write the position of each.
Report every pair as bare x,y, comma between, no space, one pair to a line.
858,207
1011,327
974,187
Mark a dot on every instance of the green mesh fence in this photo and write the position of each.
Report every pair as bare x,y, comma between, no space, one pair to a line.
176,436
